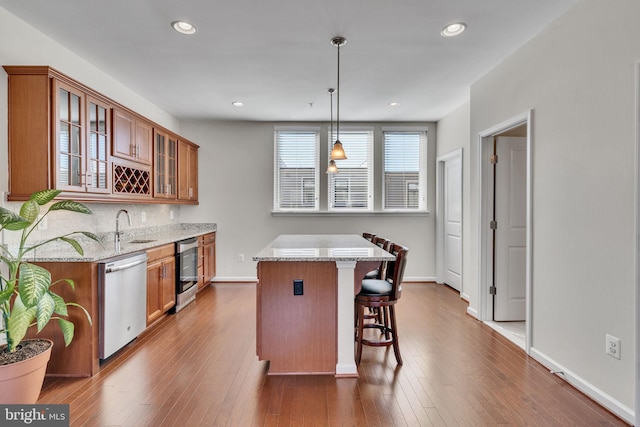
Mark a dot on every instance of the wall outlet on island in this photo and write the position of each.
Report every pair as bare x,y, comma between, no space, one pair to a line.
170,214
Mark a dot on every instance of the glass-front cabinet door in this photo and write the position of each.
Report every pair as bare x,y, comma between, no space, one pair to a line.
70,138
98,176
82,141
165,150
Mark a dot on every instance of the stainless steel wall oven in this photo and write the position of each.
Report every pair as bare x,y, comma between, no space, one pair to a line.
186,272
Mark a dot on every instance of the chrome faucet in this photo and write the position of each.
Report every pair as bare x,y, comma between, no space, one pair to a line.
117,235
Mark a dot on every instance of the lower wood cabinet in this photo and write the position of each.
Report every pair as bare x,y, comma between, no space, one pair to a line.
161,281
207,259
80,358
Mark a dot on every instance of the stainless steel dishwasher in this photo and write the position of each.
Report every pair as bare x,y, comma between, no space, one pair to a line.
123,301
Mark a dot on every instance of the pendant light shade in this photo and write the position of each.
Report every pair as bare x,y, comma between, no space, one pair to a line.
337,153
332,167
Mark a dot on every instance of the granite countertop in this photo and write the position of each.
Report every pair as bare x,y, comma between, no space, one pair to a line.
149,237
322,247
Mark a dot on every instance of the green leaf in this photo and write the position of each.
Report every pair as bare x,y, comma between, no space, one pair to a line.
33,282
60,306
30,210
67,331
19,321
11,220
74,243
70,205
90,235
46,307
7,293
45,196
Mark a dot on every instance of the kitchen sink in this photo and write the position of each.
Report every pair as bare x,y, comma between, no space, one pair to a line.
143,241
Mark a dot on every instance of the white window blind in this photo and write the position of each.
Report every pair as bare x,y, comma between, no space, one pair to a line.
405,175
351,188
296,170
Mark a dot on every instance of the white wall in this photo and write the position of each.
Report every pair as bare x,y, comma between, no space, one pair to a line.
453,134
236,192
578,77
21,44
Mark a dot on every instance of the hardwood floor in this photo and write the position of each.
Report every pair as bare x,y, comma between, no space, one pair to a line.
199,367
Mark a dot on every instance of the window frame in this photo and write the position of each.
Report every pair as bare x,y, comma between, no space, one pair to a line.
422,178
277,175
369,159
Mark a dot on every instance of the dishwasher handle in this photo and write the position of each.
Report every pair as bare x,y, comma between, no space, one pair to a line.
121,267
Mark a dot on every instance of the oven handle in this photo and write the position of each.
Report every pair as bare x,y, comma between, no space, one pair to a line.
124,266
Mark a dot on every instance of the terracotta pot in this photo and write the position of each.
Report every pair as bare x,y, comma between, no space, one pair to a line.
21,382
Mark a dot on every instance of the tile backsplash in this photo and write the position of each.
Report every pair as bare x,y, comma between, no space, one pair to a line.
103,219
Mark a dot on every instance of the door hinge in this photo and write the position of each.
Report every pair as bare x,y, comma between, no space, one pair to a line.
494,159
492,290
493,225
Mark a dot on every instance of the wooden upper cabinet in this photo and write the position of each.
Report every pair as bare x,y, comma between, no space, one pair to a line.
64,135
132,137
187,171
165,150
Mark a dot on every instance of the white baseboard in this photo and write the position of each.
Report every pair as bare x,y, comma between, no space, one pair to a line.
622,411
255,279
234,279
419,279
472,312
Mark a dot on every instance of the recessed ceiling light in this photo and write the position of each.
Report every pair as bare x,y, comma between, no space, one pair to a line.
237,104
453,29
183,27
394,104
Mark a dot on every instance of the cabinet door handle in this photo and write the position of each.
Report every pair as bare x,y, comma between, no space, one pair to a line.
138,151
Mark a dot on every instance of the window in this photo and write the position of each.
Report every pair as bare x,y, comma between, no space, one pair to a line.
296,169
405,176
351,188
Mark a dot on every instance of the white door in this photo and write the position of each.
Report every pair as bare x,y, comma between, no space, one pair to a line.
510,235
453,222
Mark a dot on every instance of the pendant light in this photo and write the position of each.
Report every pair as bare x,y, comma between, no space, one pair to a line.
337,153
332,164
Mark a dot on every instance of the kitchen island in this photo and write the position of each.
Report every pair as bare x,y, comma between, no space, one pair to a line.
305,311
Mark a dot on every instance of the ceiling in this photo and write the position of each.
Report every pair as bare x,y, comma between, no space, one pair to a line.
276,56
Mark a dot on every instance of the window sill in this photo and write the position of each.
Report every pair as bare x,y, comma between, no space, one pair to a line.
368,213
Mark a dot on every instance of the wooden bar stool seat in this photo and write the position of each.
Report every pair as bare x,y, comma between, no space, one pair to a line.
381,295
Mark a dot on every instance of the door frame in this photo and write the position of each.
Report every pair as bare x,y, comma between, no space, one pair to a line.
440,162
485,192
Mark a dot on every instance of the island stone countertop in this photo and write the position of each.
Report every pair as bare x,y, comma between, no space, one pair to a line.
322,247
146,237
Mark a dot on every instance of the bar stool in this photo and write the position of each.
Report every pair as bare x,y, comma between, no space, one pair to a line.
368,236
378,273
382,294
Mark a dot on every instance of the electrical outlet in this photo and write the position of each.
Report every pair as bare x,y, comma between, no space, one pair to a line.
298,288
613,346
241,257
143,216
43,224
170,214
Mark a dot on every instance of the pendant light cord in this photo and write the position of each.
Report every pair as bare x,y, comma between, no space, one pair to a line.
338,99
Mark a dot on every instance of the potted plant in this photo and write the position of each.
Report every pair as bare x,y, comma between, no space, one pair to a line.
27,298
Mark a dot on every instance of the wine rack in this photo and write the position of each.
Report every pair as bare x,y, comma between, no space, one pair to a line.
128,180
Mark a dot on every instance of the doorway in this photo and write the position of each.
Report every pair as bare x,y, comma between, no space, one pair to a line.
505,229
449,221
